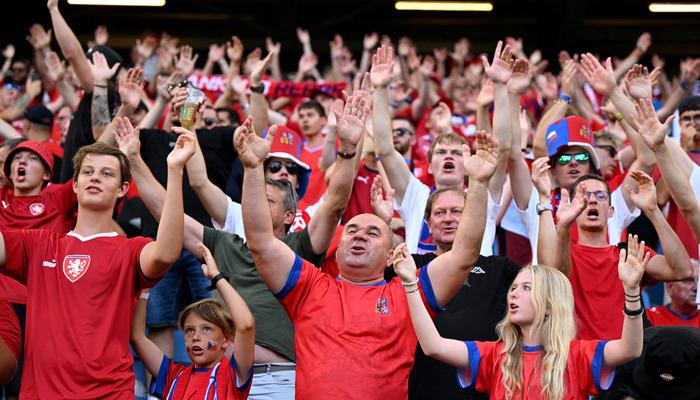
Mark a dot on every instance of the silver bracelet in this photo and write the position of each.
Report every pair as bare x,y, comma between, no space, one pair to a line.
410,283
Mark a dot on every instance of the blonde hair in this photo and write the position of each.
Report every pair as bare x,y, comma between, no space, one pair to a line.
553,302
210,310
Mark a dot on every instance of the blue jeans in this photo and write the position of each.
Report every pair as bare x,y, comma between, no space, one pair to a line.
182,285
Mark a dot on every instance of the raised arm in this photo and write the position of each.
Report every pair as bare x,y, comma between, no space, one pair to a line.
556,112
272,257
450,269
130,89
380,75
630,268
449,351
158,256
243,321
566,215
258,102
150,355
641,47
99,111
674,265
520,183
71,47
547,233
56,72
500,72
350,130
602,78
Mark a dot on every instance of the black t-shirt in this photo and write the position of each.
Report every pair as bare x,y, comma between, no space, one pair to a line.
80,130
219,154
471,315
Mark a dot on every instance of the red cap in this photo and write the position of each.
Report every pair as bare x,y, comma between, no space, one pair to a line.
287,144
37,147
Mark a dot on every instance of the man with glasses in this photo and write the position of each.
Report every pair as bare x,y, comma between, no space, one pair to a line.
591,263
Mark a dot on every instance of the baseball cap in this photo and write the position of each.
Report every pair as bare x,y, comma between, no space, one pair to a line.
287,144
37,147
570,131
111,56
39,114
670,365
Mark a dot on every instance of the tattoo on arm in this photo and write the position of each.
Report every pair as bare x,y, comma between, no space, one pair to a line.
100,111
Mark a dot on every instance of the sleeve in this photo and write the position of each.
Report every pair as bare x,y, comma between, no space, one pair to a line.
234,219
136,245
160,385
427,292
242,387
10,332
412,210
531,221
492,209
592,376
479,374
621,218
17,244
302,277
694,180
300,243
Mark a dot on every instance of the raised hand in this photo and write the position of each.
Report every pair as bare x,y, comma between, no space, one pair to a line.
101,35
647,124
127,137
481,165
643,42
540,176
52,4
273,46
100,69
568,77
303,36
370,40
427,66
500,70
404,266
336,46
146,47
690,71
382,70
234,50
443,118
335,111
640,81
569,209
645,197
184,148
520,78
441,54
382,207
185,62
362,87
162,84
9,51
216,52
39,38
178,99
257,71
461,50
55,67
209,267
252,60
131,87
32,87
307,62
252,149
547,83
352,122
632,264
485,96
601,78
405,46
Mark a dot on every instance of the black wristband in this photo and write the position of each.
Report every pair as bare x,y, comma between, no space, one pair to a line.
215,280
348,155
259,88
633,313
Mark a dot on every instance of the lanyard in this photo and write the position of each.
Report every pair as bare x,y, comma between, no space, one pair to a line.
212,383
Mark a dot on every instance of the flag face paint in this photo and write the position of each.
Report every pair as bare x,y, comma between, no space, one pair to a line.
211,345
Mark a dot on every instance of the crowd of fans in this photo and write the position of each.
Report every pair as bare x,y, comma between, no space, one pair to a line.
439,225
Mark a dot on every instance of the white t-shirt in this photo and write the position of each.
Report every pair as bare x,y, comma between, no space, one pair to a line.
412,212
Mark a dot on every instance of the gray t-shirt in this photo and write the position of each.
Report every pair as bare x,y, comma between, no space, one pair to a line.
273,329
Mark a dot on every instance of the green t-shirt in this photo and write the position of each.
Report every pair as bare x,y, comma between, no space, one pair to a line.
273,329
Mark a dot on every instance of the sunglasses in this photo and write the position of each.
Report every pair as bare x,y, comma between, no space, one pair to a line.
402,131
580,158
276,166
600,195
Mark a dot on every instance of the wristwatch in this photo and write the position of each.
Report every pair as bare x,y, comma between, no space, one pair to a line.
259,88
542,207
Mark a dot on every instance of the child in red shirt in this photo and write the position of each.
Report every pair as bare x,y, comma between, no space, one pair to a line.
536,356
209,330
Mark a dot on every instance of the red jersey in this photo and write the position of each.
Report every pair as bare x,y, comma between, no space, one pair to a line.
664,316
12,291
351,341
584,374
598,294
53,209
177,381
317,179
10,332
360,198
82,295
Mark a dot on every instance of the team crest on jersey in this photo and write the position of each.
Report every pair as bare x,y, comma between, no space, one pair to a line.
383,306
75,266
36,209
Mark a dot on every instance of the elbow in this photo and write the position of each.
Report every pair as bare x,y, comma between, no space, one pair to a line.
247,326
538,149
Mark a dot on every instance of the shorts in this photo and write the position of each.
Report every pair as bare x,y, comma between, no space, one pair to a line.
182,285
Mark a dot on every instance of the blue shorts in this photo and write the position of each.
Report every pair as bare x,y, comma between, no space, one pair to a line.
181,286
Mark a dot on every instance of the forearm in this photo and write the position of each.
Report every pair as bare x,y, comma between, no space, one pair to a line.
502,132
258,110
470,233
212,197
630,344
482,118
256,218
622,103
582,104
275,70
561,250
547,237
68,93
172,224
107,135
673,249
17,109
7,131
365,61
672,102
208,67
99,111
626,64
151,356
150,190
151,118
396,168
328,156
556,112
240,313
72,49
677,182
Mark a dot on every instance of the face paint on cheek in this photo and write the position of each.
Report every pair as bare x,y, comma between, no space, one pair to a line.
211,345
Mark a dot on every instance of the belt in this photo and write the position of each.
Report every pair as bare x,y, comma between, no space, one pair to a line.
268,368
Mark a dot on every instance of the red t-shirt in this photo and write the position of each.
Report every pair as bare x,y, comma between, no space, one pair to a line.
192,383
360,198
664,316
317,179
12,291
598,294
53,209
82,295
584,374
10,332
351,341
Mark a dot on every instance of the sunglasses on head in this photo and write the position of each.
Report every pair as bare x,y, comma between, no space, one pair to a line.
600,195
580,158
402,131
275,166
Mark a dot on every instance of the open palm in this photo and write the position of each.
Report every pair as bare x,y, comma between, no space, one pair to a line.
482,165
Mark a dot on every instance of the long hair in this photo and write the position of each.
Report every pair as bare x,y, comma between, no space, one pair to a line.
553,302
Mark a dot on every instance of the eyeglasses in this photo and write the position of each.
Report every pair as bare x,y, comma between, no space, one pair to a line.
600,195
402,131
276,166
580,158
